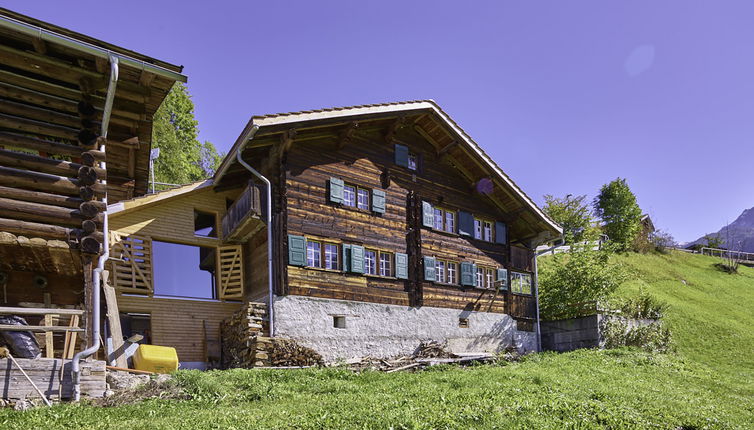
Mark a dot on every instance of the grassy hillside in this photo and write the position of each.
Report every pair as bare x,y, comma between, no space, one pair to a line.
708,383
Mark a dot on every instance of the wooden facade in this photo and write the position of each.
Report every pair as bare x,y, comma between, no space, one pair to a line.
363,150
54,84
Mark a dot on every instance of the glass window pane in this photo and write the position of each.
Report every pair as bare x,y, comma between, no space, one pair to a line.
450,222
452,267
370,262
386,263
479,277
313,254
438,219
412,161
488,231
349,195
184,270
440,269
477,229
331,256
363,202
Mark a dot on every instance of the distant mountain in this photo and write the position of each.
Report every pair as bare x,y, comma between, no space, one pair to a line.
739,235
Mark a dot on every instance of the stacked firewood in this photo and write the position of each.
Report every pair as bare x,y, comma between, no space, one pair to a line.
239,334
245,344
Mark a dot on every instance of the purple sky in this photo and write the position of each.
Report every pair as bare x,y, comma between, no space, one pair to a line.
565,96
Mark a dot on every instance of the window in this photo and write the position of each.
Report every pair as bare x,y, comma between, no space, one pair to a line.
452,272
205,224
487,231
485,277
446,272
386,264
438,218
339,321
331,256
184,270
440,268
520,283
370,262
413,161
450,222
363,199
444,220
349,195
313,254
483,230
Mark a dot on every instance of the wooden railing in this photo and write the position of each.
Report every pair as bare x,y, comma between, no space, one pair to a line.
245,209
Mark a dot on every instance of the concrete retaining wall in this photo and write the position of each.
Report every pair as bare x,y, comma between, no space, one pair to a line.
584,332
377,330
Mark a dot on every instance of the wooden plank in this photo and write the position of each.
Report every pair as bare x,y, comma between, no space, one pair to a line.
5,310
113,319
37,163
36,229
49,348
46,182
38,328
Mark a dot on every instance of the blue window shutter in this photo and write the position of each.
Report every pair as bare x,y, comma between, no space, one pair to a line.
346,258
336,190
401,155
502,275
401,265
378,201
430,272
501,232
357,259
468,273
296,250
428,215
465,224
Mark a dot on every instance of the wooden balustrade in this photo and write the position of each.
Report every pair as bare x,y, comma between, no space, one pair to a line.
243,217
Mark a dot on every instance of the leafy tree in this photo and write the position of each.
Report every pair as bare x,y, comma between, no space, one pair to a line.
714,240
616,206
570,283
574,215
183,158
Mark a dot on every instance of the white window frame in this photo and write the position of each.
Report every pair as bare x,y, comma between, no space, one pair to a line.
439,216
487,231
386,265
517,284
314,258
440,271
362,203
477,228
452,268
370,261
331,258
349,195
450,221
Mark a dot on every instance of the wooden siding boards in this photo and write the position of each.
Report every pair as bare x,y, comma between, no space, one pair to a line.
178,323
369,161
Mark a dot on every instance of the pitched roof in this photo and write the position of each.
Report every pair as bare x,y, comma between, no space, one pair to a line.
301,118
157,197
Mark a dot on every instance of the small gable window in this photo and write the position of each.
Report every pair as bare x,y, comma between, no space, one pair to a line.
413,161
363,199
205,224
349,195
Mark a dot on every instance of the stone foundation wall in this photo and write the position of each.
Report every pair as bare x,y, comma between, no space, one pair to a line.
584,332
342,330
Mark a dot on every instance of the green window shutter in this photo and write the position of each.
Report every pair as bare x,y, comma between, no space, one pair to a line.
465,224
296,250
357,259
501,232
401,155
401,265
428,215
468,273
378,201
430,272
502,275
346,258
336,190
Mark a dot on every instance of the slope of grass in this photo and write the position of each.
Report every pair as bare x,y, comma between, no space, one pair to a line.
708,383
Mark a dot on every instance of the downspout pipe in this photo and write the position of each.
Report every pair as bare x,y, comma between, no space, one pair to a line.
97,275
271,306
559,241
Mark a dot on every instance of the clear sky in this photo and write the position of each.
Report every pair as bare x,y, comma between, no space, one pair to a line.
565,95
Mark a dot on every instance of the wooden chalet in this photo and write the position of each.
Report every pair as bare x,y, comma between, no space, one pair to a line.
75,133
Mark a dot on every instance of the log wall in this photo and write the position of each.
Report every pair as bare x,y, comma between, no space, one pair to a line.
47,374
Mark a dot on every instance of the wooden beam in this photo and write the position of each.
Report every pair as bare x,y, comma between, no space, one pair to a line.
399,123
40,114
447,148
113,318
12,310
39,45
25,179
28,211
38,127
347,134
20,141
21,160
47,198
36,229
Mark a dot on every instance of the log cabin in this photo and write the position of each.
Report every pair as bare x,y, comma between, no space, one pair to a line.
387,226
75,135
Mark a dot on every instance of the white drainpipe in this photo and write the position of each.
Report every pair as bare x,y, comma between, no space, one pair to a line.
268,186
97,275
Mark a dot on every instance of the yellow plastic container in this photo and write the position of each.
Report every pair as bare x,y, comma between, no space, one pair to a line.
157,359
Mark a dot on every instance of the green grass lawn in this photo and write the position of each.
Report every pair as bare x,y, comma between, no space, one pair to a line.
707,383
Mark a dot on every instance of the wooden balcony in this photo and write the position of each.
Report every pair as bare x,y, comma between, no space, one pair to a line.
244,217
